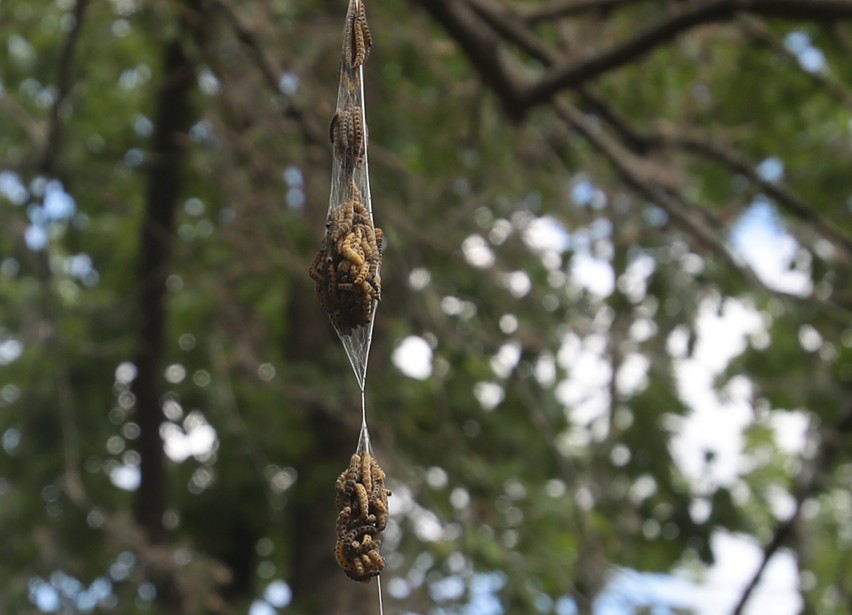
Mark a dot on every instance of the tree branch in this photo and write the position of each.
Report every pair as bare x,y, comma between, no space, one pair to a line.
777,191
508,26
650,182
568,8
833,442
483,48
758,30
268,71
635,173
575,71
480,24
519,92
713,149
63,89
29,125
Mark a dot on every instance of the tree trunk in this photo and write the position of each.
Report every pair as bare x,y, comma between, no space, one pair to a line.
173,118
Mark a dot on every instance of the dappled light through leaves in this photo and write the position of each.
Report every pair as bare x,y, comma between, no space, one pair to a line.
611,369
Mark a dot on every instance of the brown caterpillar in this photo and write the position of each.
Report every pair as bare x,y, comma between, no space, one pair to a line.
357,40
346,133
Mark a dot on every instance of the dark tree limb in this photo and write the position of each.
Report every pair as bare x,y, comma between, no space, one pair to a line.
519,92
568,8
714,149
651,182
511,29
575,71
483,47
644,143
639,175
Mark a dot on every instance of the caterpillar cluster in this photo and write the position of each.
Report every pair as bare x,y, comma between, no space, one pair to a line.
362,514
345,271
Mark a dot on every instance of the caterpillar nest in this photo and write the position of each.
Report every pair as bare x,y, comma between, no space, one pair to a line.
362,514
345,271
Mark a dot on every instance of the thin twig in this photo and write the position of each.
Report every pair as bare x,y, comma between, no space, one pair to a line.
568,8
777,191
834,440
227,400
590,578
29,125
638,176
824,79
269,72
64,83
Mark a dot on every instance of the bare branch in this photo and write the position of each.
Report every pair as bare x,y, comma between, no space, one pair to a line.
635,173
777,191
519,92
758,30
640,143
651,182
506,24
64,83
712,148
483,48
31,127
249,39
268,71
568,8
833,441
575,71
478,26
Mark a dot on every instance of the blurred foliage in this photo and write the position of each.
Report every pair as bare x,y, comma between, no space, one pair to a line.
538,457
